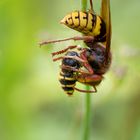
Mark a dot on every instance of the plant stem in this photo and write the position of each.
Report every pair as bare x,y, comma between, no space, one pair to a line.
84,5
87,104
87,115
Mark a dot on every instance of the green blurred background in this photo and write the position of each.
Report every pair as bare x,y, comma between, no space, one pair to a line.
32,103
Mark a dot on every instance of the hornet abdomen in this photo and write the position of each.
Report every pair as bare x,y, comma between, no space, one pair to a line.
87,23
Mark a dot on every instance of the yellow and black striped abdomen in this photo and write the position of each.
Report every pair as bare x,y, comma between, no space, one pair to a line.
67,77
67,81
86,23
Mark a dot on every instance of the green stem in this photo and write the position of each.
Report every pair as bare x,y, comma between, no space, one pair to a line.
87,115
84,5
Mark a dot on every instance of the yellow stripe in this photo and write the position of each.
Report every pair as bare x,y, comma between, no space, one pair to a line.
82,24
67,85
61,73
66,78
89,25
75,20
68,18
96,30
70,91
82,20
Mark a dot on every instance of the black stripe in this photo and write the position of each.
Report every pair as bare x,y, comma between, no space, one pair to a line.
83,19
66,22
69,19
78,18
68,88
67,73
72,20
94,18
70,93
86,19
67,82
102,36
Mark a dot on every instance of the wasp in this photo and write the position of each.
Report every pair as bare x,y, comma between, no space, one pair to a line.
95,59
71,65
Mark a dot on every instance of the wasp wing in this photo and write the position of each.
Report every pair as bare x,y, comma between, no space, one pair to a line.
106,16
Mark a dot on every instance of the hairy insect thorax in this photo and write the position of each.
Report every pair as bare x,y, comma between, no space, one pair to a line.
96,58
86,23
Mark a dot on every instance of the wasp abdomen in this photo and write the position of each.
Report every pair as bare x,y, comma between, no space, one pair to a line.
67,82
87,23
67,77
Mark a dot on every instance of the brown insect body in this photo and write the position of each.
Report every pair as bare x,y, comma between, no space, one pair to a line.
97,65
97,58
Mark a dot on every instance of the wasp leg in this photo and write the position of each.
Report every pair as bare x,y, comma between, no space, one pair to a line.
72,57
58,58
91,80
86,64
85,38
64,50
82,59
85,91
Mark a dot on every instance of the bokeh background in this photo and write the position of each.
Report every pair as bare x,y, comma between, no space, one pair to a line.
32,103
